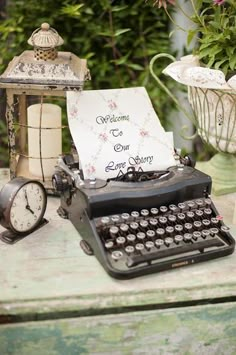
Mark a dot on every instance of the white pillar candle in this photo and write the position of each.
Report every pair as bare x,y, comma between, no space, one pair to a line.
51,138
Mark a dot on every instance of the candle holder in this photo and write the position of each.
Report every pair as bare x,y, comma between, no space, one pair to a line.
35,81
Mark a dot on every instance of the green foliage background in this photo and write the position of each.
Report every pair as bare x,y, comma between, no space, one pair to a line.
118,38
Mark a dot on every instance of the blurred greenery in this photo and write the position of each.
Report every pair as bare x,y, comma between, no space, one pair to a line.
118,38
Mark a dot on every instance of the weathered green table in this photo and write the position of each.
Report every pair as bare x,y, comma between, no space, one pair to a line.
56,300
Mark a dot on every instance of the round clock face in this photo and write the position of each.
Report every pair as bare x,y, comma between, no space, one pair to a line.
22,205
28,207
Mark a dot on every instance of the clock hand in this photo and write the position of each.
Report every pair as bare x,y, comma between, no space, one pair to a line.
29,209
27,201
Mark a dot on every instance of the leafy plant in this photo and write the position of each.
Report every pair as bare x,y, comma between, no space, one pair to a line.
118,38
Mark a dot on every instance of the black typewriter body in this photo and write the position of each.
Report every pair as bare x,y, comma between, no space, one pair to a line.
137,228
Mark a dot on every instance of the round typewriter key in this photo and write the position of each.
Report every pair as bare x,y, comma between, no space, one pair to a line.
205,233
208,201
134,225
129,249
196,235
144,213
225,228
172,218
113,231
105,221
116,254
150,233
115,218
181,216
141,235
162,220
134,214
149,244
169,230
168,241
191,204
199,202
143,223
199,213
159,242
125,216
206,222
197,224
131,237
173,208
207,211
178,238
120,240
154,211
214,231
178,228
181,206
163,209
187,237
124,228
153,222
190,214
214,221
139,246
188,227
160,231
109,244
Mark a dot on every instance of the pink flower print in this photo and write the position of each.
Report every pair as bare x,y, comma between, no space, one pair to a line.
112,105
90,170
218,2
73,111
143,133
103,137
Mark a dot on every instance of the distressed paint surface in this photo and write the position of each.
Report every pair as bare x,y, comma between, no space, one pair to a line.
192,330
47,273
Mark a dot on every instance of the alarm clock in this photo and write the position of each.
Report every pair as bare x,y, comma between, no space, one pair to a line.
22,206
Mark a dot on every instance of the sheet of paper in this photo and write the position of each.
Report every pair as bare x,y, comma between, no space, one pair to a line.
115,129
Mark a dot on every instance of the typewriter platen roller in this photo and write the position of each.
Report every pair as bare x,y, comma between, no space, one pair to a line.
142,223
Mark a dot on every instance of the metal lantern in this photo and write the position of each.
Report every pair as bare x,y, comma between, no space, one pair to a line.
34,82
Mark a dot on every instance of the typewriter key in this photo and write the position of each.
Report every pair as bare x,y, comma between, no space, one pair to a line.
160,232
196,235
149,244
143,223
116,255
134,214
150,233
199,213
208,201
172,218
179,228
131,237
225,228
113,231
178,238
139,246
154,211
197,224
207,211
169,230
120,240
105,221
214,221
169,241
115,218
153,222
191,204
141,235
109,244
129,249
199,202
206,222
124,227
214,231
188,227
144,213
181,206
163,209
205,233
190,214
187,237
173,208
181,216
134,225
159,242
162,220
125,216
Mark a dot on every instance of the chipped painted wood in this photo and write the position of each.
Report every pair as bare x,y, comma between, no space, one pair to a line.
205,330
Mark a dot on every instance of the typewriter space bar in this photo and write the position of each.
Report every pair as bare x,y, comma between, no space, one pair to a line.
138,259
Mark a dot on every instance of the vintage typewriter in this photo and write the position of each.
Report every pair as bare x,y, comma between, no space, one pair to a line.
143,222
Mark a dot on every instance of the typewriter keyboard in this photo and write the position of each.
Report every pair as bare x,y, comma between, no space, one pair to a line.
149,236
